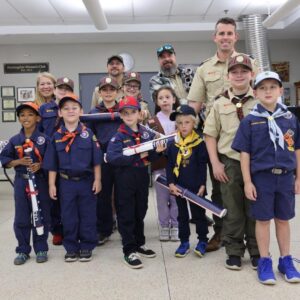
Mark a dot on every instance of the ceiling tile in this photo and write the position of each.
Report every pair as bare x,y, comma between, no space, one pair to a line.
151,7
190,7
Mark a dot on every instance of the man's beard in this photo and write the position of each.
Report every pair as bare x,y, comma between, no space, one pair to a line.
169,71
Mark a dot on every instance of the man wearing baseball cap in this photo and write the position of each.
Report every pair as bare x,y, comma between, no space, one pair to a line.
170,74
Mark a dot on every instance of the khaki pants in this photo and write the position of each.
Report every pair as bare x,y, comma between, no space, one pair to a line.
237,224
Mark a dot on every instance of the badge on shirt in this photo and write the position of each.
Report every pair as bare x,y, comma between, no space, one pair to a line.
84,134
289,139
288,115
40,140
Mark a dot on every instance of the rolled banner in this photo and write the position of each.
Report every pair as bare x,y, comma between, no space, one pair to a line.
200,201
148,146
100,117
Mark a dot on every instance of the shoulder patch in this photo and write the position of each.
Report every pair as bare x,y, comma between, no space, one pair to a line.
40,140
84,134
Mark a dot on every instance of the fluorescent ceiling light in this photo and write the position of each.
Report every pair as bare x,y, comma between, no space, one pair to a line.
96,13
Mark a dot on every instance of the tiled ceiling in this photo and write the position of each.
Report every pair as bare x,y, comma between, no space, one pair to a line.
67,21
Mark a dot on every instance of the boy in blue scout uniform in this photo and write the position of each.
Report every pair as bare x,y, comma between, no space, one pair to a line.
269,142
187,166
74,156
104,131
13,156
49,123
132,181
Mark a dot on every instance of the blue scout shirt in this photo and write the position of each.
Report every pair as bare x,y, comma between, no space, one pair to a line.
14,149
253,137
192,170
83,155
126,137
49,116
104,130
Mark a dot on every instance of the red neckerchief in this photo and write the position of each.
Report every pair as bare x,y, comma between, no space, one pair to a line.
29,144
69,136
136,136
102,109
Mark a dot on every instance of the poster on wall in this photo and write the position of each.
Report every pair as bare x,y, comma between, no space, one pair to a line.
26,94
283,69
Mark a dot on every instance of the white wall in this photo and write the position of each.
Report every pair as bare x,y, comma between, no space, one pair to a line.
70,60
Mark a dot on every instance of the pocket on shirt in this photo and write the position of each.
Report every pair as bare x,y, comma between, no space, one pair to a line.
229,119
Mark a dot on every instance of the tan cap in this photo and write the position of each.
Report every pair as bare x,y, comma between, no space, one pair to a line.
240,60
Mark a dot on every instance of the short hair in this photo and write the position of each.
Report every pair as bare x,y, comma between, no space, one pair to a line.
171,90
195,119
226,21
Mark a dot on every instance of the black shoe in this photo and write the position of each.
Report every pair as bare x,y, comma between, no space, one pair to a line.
144,251
102,239
254,261
85,255
233,262
71,256
133,261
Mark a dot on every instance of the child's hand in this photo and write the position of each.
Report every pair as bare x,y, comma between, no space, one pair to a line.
52,192
297,186
161,146
201,190
25,161
35,167
219,172
143,115
250,191
174,189
144,154
97,186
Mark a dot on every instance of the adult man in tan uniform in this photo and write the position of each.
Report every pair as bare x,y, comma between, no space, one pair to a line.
210,80
115,69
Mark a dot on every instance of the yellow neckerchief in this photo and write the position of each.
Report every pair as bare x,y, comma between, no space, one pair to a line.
185,148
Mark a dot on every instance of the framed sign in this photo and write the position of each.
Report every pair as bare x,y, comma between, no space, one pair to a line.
8,103
26,94
9,116
7,91
283,70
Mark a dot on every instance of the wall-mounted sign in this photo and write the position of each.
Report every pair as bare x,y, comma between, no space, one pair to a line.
26,68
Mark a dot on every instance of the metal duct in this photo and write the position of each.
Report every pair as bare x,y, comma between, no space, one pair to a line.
256,40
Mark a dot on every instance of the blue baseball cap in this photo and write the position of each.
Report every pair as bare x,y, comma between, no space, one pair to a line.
166,47
182,110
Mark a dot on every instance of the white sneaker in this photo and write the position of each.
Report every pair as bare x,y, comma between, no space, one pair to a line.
164,234
174,234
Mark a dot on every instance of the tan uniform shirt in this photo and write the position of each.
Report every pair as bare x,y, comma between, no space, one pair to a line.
211,80
222,122
178,87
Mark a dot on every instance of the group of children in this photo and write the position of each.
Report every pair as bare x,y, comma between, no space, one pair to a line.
251,140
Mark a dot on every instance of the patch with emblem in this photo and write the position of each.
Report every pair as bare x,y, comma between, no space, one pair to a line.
84,134
288,115
240,59
145,135
40,140
108,80
113,139
133,75
289,139
66,80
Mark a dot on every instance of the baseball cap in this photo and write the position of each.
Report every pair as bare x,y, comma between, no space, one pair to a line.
166,47
182,110
129,102
65,81
117,57
108,81
240,60
266,75
69,97
30,105
132,76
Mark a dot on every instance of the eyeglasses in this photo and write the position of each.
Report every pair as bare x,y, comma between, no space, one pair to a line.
166,47
132,86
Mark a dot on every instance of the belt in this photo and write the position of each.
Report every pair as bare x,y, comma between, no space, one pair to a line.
277,171
74,178
26,176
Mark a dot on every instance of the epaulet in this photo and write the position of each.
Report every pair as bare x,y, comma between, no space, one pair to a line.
224,94
204,61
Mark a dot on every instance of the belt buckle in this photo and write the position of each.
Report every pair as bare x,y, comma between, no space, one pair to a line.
277,171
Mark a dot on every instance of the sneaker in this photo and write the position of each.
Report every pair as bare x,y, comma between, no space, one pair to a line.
200,249
57,239
233,262
214,243
287,268
71,256
133,261
174,234
144,251
102,239
265,271
164,234
21,259
183,249
85,255
41,257
254,261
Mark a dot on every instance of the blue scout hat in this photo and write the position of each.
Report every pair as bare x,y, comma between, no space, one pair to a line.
69,97
30,105
182,110
129,102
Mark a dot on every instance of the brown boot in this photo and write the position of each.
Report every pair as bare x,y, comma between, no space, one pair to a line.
214,243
